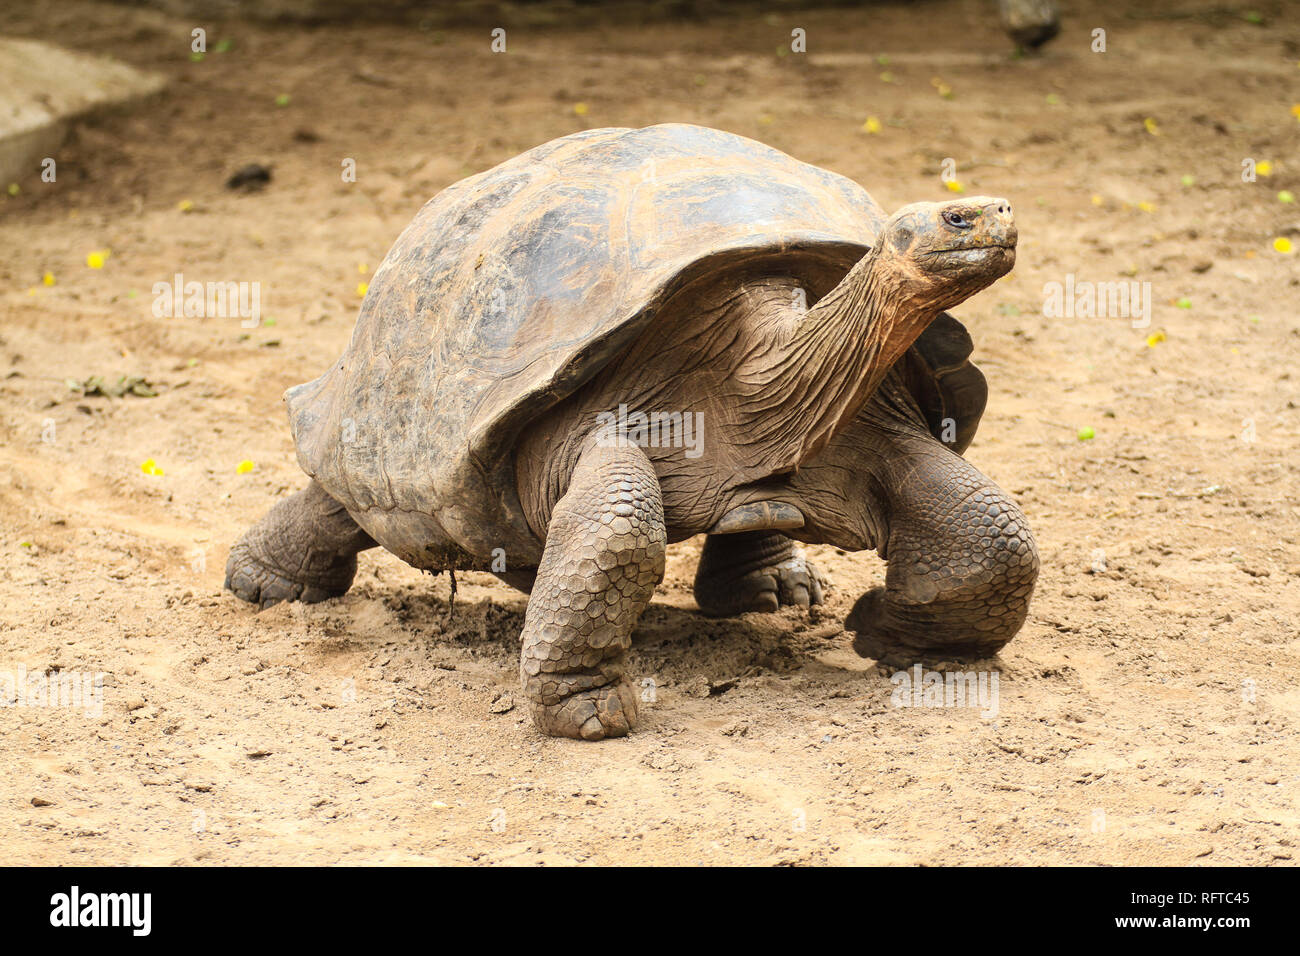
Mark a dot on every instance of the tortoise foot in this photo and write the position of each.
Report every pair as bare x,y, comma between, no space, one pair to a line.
759,571
874,637
304,549
608,711
253,579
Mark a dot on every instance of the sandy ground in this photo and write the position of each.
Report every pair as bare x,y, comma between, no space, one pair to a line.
1148,711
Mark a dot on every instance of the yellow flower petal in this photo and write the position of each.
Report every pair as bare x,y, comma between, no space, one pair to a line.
48,278
1282,244
1151,126
1264,168
955,187
580,109
95,260
362,288
150,467
244,467
1154,339
872,125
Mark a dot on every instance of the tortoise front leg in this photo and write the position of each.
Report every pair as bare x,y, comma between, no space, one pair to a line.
604,555
961,560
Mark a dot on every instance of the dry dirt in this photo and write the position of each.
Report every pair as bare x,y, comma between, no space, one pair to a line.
1148,712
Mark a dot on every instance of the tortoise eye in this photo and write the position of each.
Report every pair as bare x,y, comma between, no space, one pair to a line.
955,219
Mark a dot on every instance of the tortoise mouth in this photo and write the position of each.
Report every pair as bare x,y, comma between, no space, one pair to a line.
1005,246
988,259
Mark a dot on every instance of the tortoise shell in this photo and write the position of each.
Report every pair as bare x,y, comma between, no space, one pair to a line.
512,288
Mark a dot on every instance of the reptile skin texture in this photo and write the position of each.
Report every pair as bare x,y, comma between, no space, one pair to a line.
604,556
754,571
304,549
961,561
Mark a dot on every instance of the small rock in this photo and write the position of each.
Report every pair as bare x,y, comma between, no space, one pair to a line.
251,177
42,802
697,686
134,703
662,761
503,704
1030,23
721,687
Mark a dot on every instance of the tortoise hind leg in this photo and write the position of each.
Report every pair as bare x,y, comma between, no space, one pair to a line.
754,571
605,546
303,549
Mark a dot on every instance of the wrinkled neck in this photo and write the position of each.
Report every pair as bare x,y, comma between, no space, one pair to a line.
840,351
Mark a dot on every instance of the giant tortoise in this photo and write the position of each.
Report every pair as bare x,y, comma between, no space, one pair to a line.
626,337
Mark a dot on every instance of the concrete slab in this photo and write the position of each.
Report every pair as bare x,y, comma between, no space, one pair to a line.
46,88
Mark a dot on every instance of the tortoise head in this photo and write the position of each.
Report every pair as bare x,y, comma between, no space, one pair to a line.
945,252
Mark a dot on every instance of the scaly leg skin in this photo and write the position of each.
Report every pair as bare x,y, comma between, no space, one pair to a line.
304,549
961,561
604,554
754,571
